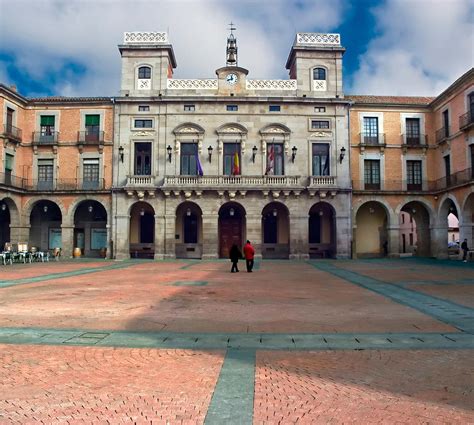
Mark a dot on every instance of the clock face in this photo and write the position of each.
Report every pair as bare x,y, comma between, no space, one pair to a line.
231,78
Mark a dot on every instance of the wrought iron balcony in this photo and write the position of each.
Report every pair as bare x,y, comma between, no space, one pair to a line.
90,137
442,134
466,120
45,138
11,180
12,132
64,184
392,186
415,141
372,139
455,179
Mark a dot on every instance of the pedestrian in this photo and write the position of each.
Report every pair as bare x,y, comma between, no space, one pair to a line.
249,253
464,250
234,255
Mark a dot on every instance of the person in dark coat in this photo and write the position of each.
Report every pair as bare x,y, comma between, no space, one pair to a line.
234,255
465,249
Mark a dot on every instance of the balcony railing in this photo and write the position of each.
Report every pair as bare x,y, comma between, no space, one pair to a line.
11,180
466,120
231,181
64,184
90,137
442,134
12,132
140,181
321,181
455,179
42,138
413,140
372,139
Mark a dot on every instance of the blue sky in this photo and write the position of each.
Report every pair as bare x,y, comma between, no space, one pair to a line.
394,47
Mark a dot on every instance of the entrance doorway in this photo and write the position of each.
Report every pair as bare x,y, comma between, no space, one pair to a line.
231,227
142,231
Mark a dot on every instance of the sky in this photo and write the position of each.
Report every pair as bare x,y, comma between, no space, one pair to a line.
394,47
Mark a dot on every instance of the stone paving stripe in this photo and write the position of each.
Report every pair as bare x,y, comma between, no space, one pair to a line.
235,342
52,276
459,316
232,401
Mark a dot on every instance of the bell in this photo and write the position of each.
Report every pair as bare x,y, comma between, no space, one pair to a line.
231,57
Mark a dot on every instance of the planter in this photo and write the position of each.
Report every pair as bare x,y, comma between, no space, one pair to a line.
103,252
76,253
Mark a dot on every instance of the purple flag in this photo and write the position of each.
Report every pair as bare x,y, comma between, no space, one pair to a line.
198,166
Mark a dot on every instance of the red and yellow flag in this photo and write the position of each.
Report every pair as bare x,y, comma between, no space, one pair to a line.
236,165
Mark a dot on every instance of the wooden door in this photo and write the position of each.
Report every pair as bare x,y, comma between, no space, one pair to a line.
230,233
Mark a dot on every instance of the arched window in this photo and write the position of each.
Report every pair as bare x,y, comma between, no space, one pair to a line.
144,72
319,74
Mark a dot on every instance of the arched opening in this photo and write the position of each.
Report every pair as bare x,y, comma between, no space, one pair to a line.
449,217
45,226
5,221
90,229
142,231
322,231
467,229
371,232
416,228
275,231
188,231
231,227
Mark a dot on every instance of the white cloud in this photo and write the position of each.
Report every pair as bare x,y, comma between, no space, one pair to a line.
54,33
423,47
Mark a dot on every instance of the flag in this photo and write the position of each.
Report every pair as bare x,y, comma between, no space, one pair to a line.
270,160
198,166
236,165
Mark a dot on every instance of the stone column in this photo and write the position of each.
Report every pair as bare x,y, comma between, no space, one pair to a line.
67,240
466,231
169,224
439,241
210,236
254,232
160,237
19,234
122,233
109,240
393,241
343,237
299,232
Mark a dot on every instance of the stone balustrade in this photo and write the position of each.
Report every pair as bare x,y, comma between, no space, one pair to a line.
322,181
231,181
140,181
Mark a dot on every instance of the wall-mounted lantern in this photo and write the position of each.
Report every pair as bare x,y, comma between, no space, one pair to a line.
121,153
169,149
231,212
342,154
209,151
293,153
254,153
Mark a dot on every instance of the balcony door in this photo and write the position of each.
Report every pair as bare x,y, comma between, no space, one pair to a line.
142,159
371,130
45,174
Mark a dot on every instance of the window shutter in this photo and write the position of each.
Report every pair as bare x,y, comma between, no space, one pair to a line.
92,120
8,162
47,120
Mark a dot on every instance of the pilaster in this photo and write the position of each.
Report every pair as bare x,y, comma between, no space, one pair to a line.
210,235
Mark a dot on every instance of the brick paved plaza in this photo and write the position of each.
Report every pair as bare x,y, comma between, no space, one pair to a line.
375,341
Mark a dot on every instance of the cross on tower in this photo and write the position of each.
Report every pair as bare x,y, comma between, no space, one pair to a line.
231,27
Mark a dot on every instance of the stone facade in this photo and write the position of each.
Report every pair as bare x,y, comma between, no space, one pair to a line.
184,168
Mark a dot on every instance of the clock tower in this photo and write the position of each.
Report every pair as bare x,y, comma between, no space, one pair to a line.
231,78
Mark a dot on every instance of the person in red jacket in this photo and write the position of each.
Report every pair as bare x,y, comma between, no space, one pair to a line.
249,253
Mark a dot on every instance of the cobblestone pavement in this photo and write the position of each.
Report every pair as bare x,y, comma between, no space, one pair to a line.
382,341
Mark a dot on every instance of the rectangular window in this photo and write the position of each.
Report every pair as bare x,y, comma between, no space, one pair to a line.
143,108
413,131
232,159
447,167
446,123
372,174
92,128
319,124
143,159
189,158
9,123
45,174
47,123
232,108
8,168
189,108
371,131
320,159
143,123
471,147
414,175
90,173
274,108
319,109
275,164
